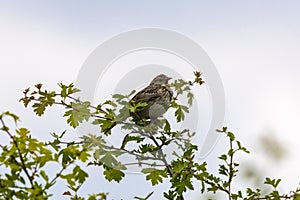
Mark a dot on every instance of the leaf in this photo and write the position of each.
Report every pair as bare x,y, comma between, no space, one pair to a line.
123,113
231,136
12,115
134,107
223,170
84,156
272,182
118,96
72,89
224,129
22,132
131,93
46,99
181,186
154,175
106,125
78,112
179,113
145,148
109,159
113,174
63,92
129,138
223,157
240,147
171,195
44,175
167,127
190,97
79,174
230,152
39,108
66,156
67,90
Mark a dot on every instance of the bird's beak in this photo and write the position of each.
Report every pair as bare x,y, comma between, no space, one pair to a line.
168,80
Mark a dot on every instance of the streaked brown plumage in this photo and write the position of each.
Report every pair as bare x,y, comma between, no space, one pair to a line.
157,95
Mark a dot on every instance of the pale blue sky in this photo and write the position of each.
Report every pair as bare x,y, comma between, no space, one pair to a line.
254,44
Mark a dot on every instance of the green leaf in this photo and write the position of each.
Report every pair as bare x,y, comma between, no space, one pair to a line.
224,129
134,108
118,96
109,159
272,182
22,132
79,174
67,90
171,195
223,170
230,152
181,186
106,125
223,157
154,175
79,112
145,148
123,114
113,174
12,115
129,138
167,127
39,108
63,92
131,93
84,156
297,196
66,156
179,115
44,175
180,109
231,136
190,97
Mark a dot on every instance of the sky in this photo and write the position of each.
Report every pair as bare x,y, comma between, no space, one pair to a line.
254,45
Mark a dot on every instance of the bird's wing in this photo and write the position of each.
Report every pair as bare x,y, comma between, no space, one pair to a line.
149,93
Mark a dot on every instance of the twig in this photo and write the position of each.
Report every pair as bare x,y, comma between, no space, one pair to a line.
19,152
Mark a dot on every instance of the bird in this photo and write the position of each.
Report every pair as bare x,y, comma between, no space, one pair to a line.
157,95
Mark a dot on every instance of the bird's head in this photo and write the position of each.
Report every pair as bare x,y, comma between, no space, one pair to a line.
160,79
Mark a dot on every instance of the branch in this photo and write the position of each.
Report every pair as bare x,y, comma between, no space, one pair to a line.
19,152
231,170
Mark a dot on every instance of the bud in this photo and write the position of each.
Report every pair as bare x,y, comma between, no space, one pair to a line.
26,91
38,86
197,74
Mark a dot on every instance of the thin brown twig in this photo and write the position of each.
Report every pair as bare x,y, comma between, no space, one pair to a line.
231,171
